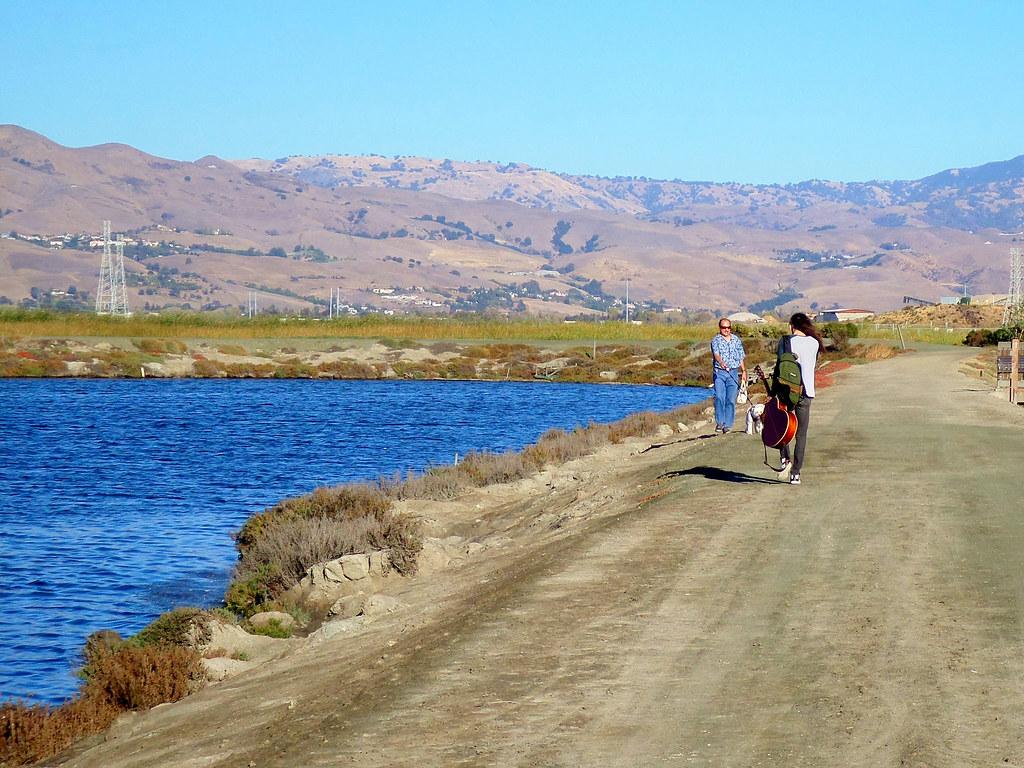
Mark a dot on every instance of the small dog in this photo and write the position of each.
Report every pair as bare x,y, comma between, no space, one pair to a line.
754,424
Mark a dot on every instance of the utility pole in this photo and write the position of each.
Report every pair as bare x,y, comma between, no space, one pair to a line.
627,299
251,309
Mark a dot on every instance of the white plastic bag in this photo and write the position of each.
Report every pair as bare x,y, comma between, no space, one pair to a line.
741,396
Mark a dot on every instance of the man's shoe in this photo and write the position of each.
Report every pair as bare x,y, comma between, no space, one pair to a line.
794,479
784,472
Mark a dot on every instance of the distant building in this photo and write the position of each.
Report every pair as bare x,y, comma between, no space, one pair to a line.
843,315
746,317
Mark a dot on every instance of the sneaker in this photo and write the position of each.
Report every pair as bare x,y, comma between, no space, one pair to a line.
784,472
794,479
724,430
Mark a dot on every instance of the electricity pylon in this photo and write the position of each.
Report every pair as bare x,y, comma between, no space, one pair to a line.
112,295
1013,313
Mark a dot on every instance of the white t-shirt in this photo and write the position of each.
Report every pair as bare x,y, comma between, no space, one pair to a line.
806,350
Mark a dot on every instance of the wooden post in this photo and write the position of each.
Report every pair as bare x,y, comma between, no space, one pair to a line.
1014,365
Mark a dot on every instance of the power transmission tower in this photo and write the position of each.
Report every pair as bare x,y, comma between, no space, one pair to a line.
1013,313
111,294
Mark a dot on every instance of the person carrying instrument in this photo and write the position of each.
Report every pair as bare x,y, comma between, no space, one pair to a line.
728,366
804,342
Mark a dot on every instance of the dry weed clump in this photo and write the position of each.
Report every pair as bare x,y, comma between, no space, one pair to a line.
277,546
156,666
131,677
33,732
877,352
347,369
640,424
161,346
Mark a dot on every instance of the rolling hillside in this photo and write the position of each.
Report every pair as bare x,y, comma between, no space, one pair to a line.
414,234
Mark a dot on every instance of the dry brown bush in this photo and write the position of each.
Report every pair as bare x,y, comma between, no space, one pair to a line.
276,547
436,484
29,733
485,468
121,678
635,425
878,352
139,678
342,502
347,369
293,545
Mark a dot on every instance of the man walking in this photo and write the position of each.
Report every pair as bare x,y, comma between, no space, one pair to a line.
728,367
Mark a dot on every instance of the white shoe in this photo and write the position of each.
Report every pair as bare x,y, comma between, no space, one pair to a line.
784,473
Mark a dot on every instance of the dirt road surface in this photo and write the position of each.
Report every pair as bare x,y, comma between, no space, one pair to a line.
683,607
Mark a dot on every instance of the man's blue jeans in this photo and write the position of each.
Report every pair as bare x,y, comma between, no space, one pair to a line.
727,385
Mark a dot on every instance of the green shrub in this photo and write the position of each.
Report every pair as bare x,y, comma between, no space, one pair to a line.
181,626
272,628
983,337
245,595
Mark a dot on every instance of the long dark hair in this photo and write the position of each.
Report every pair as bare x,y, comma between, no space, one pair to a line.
803,323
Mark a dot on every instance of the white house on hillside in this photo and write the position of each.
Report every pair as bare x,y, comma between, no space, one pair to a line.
843,315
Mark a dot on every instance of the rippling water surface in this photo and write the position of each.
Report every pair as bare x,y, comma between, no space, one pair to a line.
118,498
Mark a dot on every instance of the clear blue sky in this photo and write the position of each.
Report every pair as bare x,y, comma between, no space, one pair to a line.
719,91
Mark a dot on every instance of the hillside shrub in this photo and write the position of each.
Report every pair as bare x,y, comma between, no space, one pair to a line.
120,675
133,677
277,546
984,337
161,346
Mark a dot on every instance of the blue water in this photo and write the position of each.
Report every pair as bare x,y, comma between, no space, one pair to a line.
118,498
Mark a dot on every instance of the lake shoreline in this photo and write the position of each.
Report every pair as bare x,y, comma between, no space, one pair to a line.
681,364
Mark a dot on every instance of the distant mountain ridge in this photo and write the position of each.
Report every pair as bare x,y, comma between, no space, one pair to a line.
993,191
419,234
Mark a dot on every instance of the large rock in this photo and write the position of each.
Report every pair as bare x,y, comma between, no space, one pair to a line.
380,563
325,583
355,567
347,606
338,627
345,568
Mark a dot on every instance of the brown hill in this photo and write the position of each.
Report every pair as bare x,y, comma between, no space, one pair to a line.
436,235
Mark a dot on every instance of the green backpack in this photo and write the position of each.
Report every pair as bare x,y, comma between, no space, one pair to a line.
787,380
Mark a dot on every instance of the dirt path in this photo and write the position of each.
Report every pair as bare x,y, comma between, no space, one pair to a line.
701,613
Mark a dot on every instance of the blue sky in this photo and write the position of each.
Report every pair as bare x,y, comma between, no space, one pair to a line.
718,91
